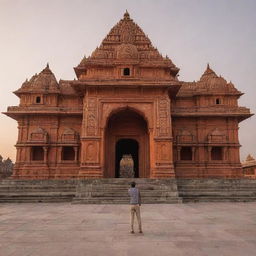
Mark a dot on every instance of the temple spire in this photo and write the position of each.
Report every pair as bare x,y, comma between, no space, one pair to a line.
126,15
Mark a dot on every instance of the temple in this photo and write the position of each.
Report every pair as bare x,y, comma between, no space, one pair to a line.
127,101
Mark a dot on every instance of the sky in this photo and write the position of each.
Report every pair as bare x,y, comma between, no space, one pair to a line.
191,32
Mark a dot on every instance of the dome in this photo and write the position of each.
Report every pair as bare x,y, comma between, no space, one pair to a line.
45,80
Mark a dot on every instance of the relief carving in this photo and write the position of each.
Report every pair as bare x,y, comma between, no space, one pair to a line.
91,117
163,117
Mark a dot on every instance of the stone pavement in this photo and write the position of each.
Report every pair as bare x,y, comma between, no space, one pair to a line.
60,229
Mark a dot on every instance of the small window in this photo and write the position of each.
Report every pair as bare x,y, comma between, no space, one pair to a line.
216,153
38,99
217,101
37,153
126,72
186,153
68,153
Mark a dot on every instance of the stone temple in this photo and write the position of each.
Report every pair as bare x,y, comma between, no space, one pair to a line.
127,101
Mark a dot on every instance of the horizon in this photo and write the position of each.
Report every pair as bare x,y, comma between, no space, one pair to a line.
196,33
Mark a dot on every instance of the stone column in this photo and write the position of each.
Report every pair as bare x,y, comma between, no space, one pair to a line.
193,153
76,150
178,152
209,153
45,154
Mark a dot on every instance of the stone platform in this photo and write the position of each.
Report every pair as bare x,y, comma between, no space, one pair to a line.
114,191
202,229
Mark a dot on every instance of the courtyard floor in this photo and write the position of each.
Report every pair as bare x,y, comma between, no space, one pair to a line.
62,229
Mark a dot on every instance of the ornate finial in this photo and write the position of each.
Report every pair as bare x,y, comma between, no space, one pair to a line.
249,158
47,65
126,15
208,66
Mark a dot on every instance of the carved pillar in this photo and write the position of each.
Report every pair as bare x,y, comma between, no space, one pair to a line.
59,151
224,153
209,153
193,153
45,154
178,152
91,166
76,150
28,157
163,142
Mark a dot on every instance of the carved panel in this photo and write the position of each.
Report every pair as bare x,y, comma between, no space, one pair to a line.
91,122
163,121
163,151
91,152
39,135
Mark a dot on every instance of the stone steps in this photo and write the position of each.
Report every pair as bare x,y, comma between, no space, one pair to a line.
217,190
30,191
115,191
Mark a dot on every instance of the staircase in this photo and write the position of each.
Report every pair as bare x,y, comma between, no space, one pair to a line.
30,191
115,191
217,190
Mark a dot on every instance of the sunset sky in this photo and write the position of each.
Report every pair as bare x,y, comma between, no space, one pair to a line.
191,32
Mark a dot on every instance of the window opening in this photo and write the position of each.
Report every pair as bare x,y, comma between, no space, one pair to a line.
38,99
217,101
37,153
68,153
126,72
216,153
186,153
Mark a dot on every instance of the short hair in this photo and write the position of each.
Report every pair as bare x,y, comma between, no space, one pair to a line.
133,184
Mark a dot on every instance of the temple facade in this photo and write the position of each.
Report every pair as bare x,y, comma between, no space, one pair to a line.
127,100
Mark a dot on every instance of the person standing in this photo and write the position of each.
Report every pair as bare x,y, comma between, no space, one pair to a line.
135,202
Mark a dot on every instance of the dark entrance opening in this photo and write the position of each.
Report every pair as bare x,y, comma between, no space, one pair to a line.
68,153
127,147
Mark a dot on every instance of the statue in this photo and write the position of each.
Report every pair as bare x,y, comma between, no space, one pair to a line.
126,167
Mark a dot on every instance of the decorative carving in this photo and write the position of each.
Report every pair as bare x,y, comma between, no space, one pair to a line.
90,152
91,117
69,135
127,51
163,116
185,136
39,135
216,136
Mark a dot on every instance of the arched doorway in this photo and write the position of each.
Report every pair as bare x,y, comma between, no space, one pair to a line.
126,133
127,147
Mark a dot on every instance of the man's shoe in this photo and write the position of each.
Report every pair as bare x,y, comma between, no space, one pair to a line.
132,232
140,231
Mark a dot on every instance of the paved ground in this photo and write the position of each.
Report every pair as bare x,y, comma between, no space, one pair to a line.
180,229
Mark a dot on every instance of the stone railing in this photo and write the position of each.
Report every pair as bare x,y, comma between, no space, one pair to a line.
43,109
211,110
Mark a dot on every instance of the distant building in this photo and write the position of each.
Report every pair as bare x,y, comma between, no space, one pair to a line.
249,167
127,100
6,167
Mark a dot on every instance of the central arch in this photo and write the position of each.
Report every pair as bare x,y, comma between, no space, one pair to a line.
126,133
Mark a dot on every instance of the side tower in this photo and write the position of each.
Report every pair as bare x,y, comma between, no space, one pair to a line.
205,116
49,121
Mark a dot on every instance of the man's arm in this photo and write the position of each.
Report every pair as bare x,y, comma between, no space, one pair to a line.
139,199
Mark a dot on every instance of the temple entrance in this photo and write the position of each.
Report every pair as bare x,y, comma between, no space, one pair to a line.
127,159
126,146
